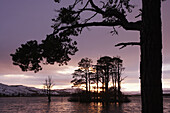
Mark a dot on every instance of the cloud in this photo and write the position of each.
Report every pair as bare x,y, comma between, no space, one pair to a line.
16,76
166,67
165,83
17,79
131,87
67,70
54,87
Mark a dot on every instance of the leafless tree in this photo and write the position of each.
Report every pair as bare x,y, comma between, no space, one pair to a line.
48,86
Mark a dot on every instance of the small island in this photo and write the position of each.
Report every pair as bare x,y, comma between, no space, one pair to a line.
101,82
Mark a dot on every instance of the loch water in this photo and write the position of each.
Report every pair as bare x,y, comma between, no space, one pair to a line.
62,105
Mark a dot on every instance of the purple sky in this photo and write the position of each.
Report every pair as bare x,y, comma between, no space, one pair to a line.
24,20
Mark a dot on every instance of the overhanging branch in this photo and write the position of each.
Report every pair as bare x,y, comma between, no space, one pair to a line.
121,19
117,23
127,44
126,26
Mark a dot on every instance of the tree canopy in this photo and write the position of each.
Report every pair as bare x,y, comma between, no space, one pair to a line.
31,55
58,46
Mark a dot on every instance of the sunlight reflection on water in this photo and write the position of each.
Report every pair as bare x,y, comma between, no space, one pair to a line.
61,105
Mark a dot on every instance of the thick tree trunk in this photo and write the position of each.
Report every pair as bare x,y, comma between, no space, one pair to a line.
151,57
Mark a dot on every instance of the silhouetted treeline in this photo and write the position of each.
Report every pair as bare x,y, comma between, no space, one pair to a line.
89,76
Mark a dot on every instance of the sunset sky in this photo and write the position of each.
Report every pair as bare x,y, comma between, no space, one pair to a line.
24,20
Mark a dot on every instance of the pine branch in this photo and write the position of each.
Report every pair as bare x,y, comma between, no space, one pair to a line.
117,23
127,26
121,19
98,10
126,44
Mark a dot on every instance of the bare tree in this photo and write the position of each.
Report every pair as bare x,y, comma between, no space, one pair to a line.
48,86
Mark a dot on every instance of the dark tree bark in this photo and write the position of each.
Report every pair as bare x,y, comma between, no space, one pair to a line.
151,57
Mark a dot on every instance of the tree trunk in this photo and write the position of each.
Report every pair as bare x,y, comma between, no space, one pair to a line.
115,89
103,83
118,81
49,95
113,82
97,82
151,57
107,79
49,98
89,82
86,83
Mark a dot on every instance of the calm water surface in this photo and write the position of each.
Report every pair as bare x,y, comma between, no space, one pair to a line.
61,105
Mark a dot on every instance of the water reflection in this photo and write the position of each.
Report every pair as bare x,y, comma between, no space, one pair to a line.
61,105
48,107
112,107
96,107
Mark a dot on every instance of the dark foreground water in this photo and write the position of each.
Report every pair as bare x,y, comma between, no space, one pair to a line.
61,105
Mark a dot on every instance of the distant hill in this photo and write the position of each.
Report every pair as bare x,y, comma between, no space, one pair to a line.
20,90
